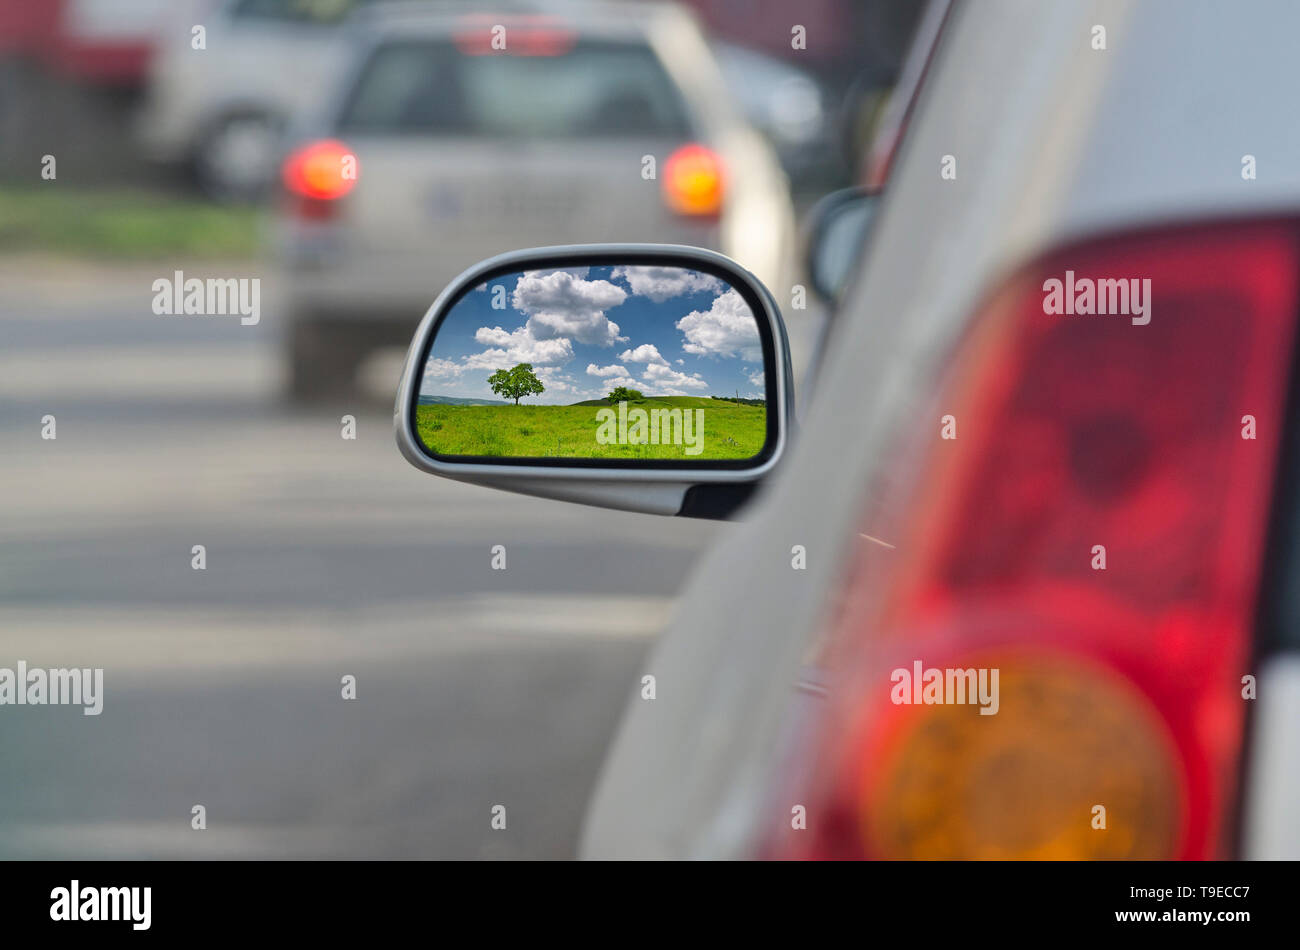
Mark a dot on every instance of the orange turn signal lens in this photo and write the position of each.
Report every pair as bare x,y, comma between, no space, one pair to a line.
693,181
1076,764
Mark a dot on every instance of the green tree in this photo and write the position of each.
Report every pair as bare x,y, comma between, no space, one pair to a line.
621,393
517,382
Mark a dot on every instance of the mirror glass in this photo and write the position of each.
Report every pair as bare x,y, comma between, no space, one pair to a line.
618,362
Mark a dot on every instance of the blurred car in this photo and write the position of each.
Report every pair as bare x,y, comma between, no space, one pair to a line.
221,110
786,104
1099,506
99,43
596,122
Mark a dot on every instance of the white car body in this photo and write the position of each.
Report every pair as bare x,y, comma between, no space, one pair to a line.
1054,140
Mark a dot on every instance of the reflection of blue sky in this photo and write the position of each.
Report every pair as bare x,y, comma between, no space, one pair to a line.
665,331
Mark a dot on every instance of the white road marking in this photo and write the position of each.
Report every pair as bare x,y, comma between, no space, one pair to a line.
143,642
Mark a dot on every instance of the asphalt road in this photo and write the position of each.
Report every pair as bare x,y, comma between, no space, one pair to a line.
324,558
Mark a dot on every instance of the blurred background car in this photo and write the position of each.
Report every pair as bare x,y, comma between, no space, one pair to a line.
221,114
786,104
592,122
218,116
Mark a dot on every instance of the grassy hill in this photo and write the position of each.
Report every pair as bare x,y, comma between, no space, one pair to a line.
459,401
730,431
660,402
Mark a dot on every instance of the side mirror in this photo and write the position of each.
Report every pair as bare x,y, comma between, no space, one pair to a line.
837,229
645,377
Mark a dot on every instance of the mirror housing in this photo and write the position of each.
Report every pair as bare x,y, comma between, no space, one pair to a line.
701,489
838,226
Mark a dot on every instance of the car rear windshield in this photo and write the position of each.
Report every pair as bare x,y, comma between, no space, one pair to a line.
296,11
595,89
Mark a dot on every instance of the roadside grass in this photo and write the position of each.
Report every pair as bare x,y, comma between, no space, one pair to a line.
731,431
123,223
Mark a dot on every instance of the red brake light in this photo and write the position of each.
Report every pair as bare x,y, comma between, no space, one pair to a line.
324,171
483,34
694,181
1120,687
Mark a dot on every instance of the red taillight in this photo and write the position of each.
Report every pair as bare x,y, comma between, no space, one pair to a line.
321,171
694,181
483,34
1120,688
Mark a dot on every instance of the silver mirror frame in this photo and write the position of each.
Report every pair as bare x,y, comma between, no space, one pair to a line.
829,210
656,491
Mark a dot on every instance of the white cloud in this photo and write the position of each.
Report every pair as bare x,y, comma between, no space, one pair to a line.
517,347
612,370
556,381
561,304
661,378
437,368
657,380
660,283
571,271
727,328
645,353
616,381
756,378
494,336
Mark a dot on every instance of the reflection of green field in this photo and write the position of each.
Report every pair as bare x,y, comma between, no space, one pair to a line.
731,431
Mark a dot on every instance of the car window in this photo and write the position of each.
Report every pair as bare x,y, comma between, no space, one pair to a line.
594,89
